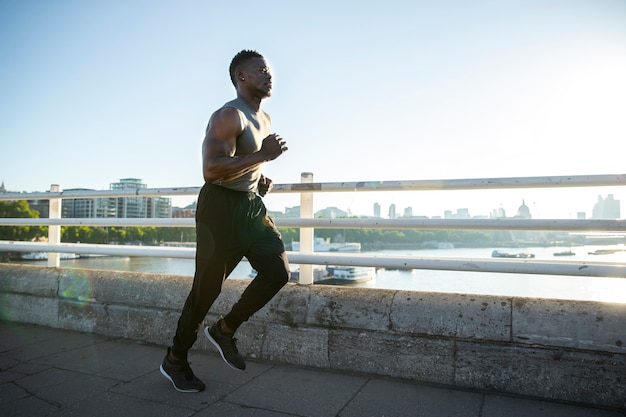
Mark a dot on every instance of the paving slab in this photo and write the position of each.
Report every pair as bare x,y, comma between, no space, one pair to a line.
496,406
393,398
112,404
53,373
290,390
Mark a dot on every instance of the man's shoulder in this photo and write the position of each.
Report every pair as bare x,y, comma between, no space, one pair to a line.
227,117
231,103
236,103
231,110
228,110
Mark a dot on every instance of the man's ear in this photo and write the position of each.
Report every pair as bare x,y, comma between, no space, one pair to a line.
241,76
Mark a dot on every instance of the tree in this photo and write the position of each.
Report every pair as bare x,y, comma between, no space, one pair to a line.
83,234
20,209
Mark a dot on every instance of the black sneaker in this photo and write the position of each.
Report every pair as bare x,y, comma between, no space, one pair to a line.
181,375
227,346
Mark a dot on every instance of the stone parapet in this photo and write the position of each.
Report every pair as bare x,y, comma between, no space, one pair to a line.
554,349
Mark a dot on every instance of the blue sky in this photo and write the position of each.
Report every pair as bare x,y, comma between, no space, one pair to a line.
94,91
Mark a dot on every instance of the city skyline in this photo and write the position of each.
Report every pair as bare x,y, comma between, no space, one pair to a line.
459,212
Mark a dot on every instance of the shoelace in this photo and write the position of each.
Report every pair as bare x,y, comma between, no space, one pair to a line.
233,343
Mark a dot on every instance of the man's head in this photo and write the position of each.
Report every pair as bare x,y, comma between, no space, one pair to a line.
249,72
239,62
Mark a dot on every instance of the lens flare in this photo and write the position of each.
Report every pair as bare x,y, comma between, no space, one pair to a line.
80,287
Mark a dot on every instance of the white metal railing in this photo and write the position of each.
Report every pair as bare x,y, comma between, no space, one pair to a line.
307,257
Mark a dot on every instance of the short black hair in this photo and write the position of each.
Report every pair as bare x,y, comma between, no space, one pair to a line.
239,59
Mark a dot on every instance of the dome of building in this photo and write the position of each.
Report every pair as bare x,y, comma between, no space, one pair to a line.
523,211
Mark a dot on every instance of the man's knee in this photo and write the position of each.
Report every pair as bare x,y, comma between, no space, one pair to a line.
279,273
282,277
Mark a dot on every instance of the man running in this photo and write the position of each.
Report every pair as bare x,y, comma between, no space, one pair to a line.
232,221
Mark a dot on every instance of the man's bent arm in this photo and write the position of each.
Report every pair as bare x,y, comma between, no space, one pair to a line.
220,143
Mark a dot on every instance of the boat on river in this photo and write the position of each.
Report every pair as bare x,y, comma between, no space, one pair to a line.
333,274
351,273
324,245
564,253
498,254
43,256
606,251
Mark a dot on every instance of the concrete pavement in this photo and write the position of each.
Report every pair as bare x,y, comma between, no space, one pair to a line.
51,372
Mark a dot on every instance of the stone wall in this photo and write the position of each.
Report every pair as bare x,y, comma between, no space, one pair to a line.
556,349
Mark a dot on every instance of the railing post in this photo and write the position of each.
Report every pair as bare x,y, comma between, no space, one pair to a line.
306,233
54,232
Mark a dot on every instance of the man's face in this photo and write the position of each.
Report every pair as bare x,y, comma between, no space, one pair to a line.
257,75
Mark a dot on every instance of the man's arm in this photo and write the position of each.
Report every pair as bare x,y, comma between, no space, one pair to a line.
220,143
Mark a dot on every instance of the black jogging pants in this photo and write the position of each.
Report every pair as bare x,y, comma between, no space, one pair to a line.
230,225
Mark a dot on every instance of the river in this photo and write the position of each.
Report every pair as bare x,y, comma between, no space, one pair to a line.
524,285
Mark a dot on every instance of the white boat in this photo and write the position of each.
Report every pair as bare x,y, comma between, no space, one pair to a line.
43,256
498,254
324,245
351,273
564,253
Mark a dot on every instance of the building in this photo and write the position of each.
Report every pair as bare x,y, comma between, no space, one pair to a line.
392,211
134,207
331,213
188,212
159,207
137,207
498,213
523,212
88,208
461,213
130,207
408,212
606,208
40,206
377,210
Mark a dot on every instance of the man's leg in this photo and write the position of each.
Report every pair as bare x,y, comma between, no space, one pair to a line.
272,275
256,295
207,285
266,255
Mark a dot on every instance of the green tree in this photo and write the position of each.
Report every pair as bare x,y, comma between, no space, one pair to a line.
83,234
20,209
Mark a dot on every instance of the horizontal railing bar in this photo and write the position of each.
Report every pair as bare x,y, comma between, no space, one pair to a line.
459,224
131,192
458,184
97,249
102,222
409,185
609,270
573,268
598,225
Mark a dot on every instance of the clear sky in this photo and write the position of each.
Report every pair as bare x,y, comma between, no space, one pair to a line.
94,91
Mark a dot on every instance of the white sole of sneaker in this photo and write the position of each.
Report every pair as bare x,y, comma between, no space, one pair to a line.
219,349
172,381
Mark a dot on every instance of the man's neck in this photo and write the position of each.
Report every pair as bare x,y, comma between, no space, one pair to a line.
253,102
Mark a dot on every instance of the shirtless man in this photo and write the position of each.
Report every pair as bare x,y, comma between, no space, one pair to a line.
232,221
